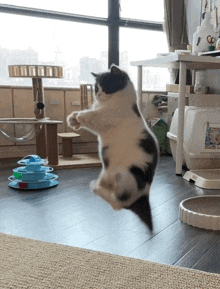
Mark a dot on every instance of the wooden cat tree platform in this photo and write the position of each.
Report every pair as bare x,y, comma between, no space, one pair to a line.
70,160
46,140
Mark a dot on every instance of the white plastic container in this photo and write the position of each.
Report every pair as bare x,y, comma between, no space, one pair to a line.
201,146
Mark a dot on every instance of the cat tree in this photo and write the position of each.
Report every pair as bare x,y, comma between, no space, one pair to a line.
85,103
70,159
45,147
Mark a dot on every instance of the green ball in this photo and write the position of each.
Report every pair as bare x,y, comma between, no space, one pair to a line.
17,175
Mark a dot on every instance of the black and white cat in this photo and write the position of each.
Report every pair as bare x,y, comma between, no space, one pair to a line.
127,147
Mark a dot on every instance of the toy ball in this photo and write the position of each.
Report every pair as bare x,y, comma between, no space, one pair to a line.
22,185
40,105
17,175
32,160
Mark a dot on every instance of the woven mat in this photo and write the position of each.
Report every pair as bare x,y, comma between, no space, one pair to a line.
26,263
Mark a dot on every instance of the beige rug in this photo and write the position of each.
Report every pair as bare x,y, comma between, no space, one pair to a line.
26,263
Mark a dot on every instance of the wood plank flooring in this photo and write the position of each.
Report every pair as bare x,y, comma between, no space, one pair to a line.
70,214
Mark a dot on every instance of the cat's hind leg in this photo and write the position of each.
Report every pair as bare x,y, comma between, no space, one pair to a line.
93,185
109,197
125,187
104,189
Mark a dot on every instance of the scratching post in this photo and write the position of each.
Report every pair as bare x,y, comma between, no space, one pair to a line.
38,93
37,72
84,92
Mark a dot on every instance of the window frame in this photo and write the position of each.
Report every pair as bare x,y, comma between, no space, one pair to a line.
113,22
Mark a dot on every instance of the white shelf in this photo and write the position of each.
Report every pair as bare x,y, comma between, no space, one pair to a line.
182,62
172,61
176,94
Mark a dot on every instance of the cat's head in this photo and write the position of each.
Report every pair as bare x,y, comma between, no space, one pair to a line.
110,82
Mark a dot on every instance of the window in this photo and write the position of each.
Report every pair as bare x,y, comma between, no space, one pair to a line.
81,36
79,48
83,7
139,44
142,9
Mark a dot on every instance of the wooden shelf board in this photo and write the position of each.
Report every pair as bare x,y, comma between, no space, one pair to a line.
78,161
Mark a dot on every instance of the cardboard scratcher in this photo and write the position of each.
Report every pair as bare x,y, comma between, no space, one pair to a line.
201,212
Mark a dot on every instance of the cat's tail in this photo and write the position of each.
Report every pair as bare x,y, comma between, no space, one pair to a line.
142,209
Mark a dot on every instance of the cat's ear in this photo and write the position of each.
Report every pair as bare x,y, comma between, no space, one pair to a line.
94,74
114,69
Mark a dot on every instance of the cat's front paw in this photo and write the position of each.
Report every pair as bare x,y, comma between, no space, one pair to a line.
87,119
72,120
93,186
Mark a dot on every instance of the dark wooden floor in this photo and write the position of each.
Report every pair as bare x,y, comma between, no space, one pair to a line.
70,214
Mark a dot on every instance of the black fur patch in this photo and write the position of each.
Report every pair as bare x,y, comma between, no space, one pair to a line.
96,88
136,110
112,82
148,144
105,157
142,175
124,196
145,175
142,208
